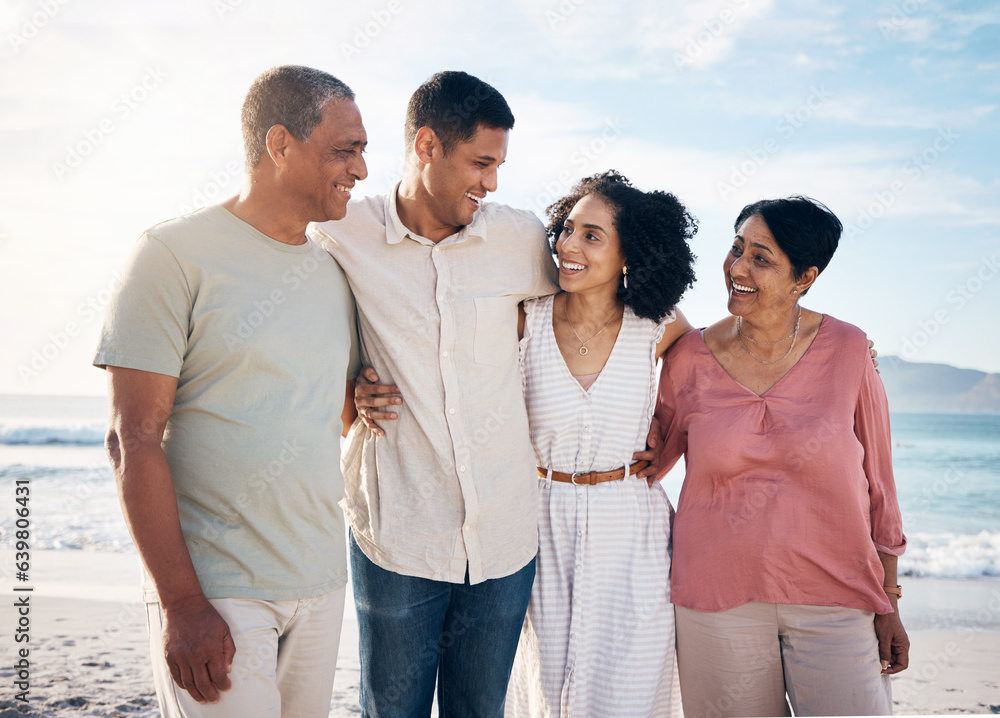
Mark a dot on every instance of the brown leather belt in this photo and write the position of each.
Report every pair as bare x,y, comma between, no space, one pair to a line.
594,477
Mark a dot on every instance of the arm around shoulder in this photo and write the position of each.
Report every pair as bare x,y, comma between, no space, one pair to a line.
673,331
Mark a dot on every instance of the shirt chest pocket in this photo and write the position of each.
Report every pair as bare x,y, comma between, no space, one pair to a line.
496,330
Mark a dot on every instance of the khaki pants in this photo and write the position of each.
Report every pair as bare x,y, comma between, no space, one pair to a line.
742,662
286,656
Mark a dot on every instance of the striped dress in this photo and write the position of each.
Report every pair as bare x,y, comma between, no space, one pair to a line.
598,639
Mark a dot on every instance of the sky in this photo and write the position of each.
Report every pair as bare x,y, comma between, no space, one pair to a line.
117,115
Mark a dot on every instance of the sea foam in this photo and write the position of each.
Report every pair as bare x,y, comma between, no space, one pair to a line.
949,555
71,432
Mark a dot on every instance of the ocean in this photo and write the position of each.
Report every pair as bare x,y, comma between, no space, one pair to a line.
947,469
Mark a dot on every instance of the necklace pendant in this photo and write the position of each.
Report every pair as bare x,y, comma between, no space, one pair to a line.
583,351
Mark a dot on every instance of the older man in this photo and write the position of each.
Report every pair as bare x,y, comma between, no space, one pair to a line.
226,386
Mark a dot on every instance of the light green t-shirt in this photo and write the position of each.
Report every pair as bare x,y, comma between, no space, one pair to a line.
261,337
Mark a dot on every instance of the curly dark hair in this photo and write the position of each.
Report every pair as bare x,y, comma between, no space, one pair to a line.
653,228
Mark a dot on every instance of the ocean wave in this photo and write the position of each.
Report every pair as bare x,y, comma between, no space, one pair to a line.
948,555
75,433
112,538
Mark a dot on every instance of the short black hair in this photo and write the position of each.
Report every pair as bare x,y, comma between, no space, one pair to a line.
454,105
805,229
293,96
653,229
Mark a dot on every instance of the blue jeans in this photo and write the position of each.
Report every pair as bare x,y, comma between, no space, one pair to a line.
412,630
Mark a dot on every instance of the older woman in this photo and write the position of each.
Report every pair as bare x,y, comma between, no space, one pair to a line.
787,527
598,640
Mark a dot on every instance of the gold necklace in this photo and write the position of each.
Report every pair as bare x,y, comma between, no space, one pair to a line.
793,336
583,344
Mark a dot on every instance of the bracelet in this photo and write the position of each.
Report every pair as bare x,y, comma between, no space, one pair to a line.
896,590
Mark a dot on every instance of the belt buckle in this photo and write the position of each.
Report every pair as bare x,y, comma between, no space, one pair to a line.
572,479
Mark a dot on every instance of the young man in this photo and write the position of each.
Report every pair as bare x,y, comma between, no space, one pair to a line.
443,504
226,385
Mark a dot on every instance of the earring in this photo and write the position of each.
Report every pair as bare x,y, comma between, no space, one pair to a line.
795,291
625,272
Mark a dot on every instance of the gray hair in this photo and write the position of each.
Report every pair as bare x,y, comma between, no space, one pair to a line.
293,96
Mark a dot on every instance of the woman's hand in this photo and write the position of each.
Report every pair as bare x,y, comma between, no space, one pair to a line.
369,396
893,643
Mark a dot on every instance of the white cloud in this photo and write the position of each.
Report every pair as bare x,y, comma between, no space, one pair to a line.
662,39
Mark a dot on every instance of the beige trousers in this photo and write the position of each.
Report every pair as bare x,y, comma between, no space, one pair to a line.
743,662
286,656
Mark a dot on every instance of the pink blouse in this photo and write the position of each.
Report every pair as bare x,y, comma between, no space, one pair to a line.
789,496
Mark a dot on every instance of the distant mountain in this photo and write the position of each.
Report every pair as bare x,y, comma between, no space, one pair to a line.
938,388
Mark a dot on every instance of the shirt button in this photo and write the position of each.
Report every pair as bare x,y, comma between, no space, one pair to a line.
451,410
444,354
467,529
461,468
440,297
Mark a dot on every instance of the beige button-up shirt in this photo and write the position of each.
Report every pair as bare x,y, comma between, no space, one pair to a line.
452,485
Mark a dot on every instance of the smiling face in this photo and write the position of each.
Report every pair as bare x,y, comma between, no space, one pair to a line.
322,170
588,248
758,273
457,182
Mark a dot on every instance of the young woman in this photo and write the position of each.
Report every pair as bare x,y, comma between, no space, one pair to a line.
598,639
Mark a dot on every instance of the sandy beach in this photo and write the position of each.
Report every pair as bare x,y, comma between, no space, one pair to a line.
89,651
